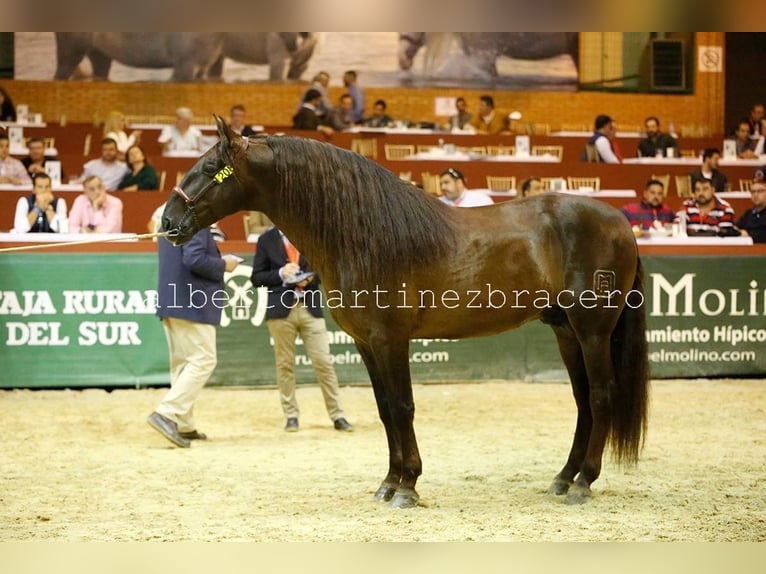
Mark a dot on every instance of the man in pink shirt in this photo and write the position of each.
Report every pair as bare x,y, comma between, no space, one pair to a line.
95,211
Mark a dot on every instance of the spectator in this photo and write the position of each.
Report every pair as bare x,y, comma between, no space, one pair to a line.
140,175
756,120
95,211
107,167
306,117
40,212
706,214
239,123
709,170
340,117
753,221
489,120
760,174
294,309
651,212
320,83
379,118
745,144
656,142
532,186
182,136
186,274
461,119
114,128
603,141
357,95
11,170
35,161
454,192
7,109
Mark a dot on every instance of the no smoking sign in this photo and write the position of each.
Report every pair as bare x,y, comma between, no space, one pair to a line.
710,58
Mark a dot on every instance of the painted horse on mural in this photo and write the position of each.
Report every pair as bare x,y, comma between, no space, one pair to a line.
483,48
398,264
192,55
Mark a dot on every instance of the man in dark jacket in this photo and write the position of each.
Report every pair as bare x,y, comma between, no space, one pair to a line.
295,308
190,299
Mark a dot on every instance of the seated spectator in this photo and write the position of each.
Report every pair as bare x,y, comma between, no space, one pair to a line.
7,109
603,141
753,221
306,117
706,214
455,193
140,174
11,170
756,120
651,212
489,120
107,167
745,144
760,174
709,170
341,117
239,124
95,211
656,142
353,88
379,118
181,136
114,128
35,161
532,186
40,212
462,119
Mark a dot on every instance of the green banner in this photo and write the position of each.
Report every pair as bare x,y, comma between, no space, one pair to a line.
82,320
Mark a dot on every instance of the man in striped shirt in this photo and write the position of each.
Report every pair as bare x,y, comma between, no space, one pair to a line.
706,215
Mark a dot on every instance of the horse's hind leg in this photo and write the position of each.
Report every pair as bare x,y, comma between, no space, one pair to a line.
390,483
596,352
571,353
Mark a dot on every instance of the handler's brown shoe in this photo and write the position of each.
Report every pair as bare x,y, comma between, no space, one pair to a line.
168,429
193,435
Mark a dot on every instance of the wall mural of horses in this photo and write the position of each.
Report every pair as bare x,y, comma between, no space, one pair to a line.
192,55
397,264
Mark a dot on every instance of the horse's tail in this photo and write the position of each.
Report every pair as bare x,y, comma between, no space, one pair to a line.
299,59
630,394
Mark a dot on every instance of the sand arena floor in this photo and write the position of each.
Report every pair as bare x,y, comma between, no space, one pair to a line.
85,466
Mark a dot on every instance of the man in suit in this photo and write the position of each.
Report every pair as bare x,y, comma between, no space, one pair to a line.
189,304
294,308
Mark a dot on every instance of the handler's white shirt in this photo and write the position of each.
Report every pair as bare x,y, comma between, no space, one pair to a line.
469,199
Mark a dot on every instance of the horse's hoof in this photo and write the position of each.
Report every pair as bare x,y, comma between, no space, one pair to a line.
405,499
385,493
559,487
578,495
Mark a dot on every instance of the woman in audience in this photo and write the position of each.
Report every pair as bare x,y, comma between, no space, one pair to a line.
7,109
114,128
141,174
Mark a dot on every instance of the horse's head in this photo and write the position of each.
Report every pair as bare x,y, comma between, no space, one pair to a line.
409,44
213,188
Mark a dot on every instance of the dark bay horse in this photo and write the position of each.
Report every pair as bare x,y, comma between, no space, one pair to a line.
399,264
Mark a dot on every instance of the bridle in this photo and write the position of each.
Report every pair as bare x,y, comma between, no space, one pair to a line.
191,202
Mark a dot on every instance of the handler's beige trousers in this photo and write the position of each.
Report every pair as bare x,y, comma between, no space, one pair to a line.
316,340
192,361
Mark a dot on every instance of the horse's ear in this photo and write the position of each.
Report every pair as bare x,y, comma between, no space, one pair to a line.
224,131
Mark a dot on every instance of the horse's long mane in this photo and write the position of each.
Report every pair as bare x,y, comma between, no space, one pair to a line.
364,218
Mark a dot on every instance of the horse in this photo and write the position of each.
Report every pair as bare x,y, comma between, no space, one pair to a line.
274,49
192,55
485,47
399,264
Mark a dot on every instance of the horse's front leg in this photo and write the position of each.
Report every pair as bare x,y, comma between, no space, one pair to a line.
391,355
390,483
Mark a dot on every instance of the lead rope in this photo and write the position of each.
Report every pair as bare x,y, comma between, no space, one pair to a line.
132,237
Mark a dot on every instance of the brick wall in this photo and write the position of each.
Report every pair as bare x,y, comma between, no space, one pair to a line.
274,104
